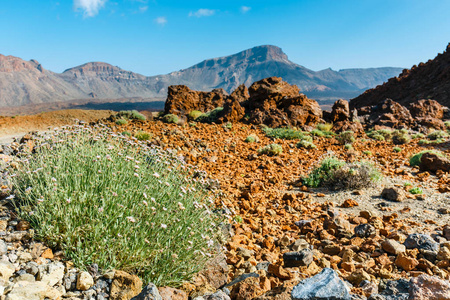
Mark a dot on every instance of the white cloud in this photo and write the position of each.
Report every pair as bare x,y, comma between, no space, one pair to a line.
202,12
143,9
245,9
90,7
161,21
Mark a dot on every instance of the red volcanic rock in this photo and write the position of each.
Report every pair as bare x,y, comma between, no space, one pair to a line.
341,126
433,162
340,111
233,110
430,123
429,287
426,108
428,80
276,103
181,100
388,113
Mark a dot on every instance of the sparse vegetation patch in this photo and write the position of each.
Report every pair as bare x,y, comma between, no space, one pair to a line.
105,199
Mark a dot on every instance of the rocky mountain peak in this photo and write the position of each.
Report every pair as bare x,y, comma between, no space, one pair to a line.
9,64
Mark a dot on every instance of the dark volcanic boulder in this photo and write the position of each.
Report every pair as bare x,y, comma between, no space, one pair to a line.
276,103
340,111
426,108
387,113
181,100
433,162
341,126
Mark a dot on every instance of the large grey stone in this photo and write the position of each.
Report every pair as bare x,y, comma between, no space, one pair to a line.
324,286
150,292
297,259
421,242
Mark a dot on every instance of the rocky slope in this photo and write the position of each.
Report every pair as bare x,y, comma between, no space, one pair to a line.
430,80
27,82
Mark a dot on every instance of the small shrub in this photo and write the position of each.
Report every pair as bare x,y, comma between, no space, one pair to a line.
210,116
306,144
131,115
417,135
91,190
323,172
400,137
346,137
192,124
447,124
170,118
416,190
142,136
229,125
317,132
193,115
397,149
416,158
367,152
437,135
348,147
126,133
252,138
380,135
427,142
121,122
407,184
354,176
340,175
283,133
326,127
271,150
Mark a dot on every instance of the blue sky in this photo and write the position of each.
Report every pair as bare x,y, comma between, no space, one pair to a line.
155,37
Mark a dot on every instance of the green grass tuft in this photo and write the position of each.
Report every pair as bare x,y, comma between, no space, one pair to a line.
142,136
416,190
306,144
170,118
106,199
271,150
252,138
121,122
210,116
193,115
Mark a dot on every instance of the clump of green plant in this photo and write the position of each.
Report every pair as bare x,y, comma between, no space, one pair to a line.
193,115
86,190
142,136
380,135
252,138
323,172
346,137
306,144
121,122
367,152
447,124
416,158
170,118
348,147
428,142
228,125
416,190
210,116
397,149
400,137
283,133
271,150
131,115
417,135
340,175
325,127
407,184
126,133
192,124
437,135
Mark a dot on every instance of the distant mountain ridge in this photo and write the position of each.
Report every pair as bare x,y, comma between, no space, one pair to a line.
23,82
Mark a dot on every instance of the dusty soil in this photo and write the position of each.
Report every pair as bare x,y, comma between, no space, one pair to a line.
11,127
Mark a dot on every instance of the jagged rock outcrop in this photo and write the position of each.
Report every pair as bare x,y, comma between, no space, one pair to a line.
340,111
270,101
276,103
233,109
387,113
181,100
430,80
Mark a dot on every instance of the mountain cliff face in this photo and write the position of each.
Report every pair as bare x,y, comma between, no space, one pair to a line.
430,80
23,82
